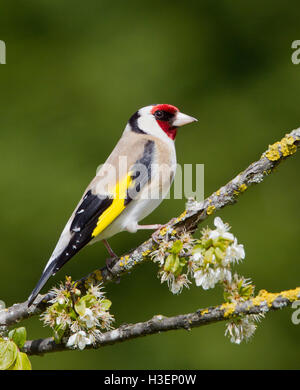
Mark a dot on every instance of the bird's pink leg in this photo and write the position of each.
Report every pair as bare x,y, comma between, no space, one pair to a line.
156,227
149,227
110,260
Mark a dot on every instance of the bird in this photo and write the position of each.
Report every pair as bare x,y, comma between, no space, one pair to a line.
132,182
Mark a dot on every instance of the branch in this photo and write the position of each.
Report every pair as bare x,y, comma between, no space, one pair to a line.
260,304
188,220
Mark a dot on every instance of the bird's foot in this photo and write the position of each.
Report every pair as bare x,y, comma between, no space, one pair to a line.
155,227
110,262
156,235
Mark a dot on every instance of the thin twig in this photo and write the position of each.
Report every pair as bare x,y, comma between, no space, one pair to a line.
260,304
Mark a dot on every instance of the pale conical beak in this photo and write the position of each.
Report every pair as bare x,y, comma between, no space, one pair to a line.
183,119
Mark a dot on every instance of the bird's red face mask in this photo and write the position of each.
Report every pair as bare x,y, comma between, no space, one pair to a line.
169,118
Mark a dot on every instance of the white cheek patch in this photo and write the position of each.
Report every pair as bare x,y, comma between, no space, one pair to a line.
149,125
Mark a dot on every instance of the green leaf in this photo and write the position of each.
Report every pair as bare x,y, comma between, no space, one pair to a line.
197,248
72,314
89,300
169,262
206,243
219,253
59,331
246,291
178,265
105,304
18,335
223,245
57,307
22,362
208,257
177,246
26,365
8,354
80,307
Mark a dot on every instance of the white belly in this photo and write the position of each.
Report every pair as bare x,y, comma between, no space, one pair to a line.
149,199
128,220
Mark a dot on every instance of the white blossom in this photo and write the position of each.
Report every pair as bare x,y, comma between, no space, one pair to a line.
63,319
106,320
178,284
197,257
207,278
159,255
79,340
235,252
224,274
89,318
221,230
59,295
96,291
243,330
167,277
2,305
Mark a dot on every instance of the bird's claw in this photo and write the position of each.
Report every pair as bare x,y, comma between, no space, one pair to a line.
110,262
156,235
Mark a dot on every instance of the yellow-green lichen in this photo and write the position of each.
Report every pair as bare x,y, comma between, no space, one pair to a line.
291,295
181,216
90,280
163,231
97,275
205,311
284,148
210,210
228,308
242,187
268,298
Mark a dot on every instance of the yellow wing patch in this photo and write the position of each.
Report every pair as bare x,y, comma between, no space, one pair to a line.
117,206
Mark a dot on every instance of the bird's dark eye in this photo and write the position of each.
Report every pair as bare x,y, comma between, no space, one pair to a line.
159,114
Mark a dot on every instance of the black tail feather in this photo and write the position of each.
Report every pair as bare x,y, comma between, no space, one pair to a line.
81,236
49,271
78,241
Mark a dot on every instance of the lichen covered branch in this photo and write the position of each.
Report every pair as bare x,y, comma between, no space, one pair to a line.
187,221
260,304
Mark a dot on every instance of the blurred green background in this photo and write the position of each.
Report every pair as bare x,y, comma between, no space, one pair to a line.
75,72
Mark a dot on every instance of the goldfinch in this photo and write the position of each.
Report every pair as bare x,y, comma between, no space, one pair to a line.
128,186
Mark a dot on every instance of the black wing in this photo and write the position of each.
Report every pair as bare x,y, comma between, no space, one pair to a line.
83,224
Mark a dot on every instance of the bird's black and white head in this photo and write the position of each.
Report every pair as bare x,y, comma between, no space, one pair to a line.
159,120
